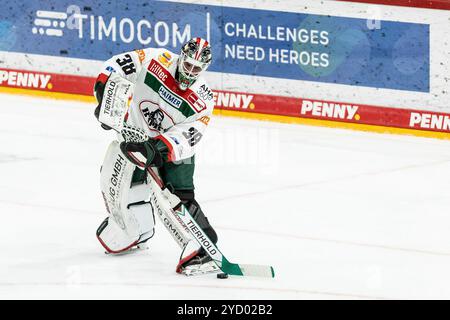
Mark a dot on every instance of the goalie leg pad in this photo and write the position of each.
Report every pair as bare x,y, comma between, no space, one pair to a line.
131,220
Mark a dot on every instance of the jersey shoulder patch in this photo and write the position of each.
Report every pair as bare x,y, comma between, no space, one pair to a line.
204,92
141,55
166,58
147,54
205,120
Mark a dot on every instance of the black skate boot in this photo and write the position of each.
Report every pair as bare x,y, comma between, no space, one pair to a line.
194,260
197,263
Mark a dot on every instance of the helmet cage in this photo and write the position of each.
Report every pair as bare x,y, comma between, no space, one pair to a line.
190,67
194,59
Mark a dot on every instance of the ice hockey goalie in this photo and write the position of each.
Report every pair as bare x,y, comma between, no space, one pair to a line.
170,100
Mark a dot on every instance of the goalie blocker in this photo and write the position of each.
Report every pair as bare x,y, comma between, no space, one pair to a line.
114,95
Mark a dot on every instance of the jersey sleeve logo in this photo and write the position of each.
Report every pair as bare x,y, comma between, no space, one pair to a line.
141,55
204,120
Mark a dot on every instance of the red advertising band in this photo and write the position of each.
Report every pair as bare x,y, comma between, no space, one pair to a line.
429,4
46,81
253,103
334,111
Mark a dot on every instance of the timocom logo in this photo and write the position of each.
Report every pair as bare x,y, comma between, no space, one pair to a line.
25,79
330,110
53,23
429,121
50,23
117,29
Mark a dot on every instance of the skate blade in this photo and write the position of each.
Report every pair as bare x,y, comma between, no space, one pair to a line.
139,247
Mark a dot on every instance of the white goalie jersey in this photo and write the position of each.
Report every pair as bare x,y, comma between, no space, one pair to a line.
177,117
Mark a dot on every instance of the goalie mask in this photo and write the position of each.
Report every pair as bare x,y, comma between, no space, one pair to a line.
195,57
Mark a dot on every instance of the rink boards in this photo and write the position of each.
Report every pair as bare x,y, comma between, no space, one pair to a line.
338,64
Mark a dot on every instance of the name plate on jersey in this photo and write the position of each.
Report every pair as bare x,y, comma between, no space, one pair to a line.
116,100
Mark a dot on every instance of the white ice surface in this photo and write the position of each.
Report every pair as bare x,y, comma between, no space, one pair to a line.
340,214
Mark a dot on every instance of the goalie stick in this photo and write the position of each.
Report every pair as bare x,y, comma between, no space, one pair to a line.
184,221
